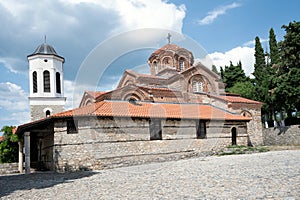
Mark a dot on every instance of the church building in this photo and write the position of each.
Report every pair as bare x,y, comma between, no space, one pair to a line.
179,108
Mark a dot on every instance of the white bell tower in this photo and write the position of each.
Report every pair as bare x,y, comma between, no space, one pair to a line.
46,82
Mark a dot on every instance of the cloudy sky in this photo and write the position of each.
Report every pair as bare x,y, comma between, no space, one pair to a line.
79,29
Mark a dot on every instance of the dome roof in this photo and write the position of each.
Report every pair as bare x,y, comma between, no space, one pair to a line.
45,49
170,47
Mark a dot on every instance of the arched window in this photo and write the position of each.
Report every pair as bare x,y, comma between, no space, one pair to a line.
34,82
166,61
46,81
181,64
58,85
48,113
197,86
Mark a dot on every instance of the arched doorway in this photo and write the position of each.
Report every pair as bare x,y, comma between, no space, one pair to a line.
233,136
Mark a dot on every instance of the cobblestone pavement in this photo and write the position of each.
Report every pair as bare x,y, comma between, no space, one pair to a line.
271,175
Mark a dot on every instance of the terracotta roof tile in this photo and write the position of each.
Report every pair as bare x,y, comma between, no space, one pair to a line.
152,110
236,99
172,47
1,138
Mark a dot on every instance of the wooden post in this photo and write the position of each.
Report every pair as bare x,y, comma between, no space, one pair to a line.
27,152
20,157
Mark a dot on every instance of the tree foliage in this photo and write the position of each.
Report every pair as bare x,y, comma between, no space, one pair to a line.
233,74
287,88
9,146
214,69
276,83
245,89
274,50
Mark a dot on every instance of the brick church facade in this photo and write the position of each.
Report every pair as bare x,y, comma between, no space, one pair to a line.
179,107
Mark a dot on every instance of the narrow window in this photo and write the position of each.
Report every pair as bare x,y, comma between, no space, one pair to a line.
181,63
197,86
72,126
34,81
200,86
194,86
58,85
46,81
48,113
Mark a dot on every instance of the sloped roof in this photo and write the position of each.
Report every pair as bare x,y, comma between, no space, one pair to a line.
95,94
235,99
152,110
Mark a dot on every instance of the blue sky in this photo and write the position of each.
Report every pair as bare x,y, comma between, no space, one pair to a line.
224,28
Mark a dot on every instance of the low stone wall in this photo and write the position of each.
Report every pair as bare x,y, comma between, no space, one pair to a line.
289,135
9,168
103,144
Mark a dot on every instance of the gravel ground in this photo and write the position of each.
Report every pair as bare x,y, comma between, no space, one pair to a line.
271,175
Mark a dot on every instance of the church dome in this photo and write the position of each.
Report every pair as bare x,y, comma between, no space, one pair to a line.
170,56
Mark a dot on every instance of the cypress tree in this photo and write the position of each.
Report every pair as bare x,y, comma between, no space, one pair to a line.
274,50
260,64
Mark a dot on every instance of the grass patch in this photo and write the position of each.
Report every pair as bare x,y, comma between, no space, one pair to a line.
240,149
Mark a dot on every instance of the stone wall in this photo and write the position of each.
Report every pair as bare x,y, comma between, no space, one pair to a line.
289,135
8,168
37,111
108,143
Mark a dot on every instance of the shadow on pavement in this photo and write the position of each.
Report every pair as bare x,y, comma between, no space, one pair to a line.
40,180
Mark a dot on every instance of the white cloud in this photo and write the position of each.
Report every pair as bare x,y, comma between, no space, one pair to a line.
137,14
251,43
212,15
96,20
14,65
243,54
14,107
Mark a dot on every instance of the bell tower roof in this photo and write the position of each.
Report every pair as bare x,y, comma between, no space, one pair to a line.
45,49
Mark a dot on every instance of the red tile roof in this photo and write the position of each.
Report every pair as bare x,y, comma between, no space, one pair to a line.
1,138
152,110
172,47
235,99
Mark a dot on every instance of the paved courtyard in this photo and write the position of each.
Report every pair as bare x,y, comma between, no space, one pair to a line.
271,175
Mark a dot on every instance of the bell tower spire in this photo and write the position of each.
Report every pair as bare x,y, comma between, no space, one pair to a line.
46,82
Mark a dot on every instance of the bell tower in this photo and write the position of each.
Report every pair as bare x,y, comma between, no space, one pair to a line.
46,82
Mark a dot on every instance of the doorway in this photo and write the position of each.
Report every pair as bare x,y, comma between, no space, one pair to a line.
233,136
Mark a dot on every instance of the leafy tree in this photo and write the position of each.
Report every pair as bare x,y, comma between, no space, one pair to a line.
245,89
233,74
222,73
9,145
214,69
287,83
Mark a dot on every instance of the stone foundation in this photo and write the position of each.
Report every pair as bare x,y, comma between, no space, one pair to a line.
8,168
